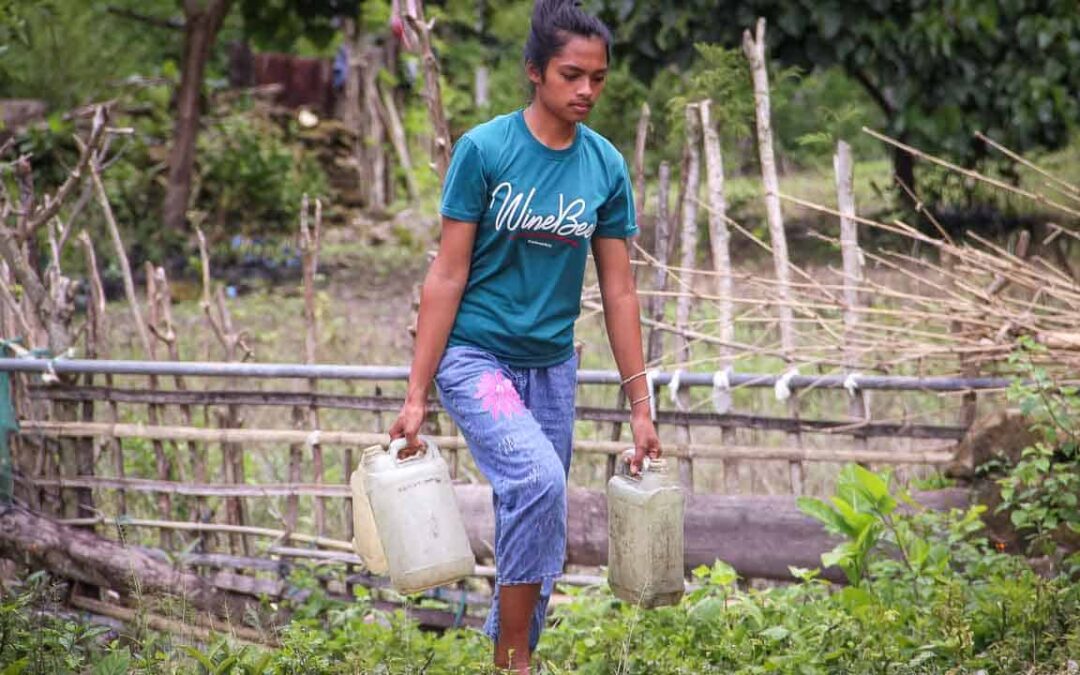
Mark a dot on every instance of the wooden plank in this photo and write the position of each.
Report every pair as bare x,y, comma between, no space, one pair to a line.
941,455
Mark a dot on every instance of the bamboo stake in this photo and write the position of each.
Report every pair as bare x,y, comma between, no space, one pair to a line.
755,53
858,408
166,332
310,242
754,49
691,182
161,460
663,251
231,454
96,311
640,141
720,244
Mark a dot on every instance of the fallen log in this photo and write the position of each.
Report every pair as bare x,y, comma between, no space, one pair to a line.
83,556
761,536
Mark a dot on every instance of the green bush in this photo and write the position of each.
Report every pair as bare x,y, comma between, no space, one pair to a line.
250,180
927,594
1041,490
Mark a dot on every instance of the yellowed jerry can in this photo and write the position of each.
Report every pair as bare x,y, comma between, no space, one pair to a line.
645,535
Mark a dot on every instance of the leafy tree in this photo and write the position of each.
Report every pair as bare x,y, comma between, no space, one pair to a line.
203,20
938,71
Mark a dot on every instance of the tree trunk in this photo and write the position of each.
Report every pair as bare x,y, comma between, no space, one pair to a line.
904,169
83,556
200,31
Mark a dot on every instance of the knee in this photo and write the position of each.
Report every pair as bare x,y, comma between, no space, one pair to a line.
548,480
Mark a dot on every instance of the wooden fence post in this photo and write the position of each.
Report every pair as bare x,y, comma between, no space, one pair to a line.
720,244
754,48
853,275
639,206
663,246
691,181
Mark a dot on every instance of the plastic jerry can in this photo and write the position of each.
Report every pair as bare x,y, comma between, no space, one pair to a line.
417,517
365,535
645,534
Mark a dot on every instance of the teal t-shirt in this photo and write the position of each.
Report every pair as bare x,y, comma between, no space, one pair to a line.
536,210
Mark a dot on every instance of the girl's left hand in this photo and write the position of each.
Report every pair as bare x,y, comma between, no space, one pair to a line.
646,442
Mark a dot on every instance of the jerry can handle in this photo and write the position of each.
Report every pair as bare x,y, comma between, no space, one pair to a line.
622,467
399,444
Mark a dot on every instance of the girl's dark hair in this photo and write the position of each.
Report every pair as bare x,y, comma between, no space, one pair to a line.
554,22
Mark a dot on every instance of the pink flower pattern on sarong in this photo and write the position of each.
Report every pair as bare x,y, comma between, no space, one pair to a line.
498,396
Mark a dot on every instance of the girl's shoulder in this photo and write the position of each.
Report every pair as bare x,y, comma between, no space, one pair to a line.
599,144
492,134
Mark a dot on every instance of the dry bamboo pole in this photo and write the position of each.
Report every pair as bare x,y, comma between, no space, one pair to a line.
153,411
754,48
843,166
231,341
941,454
975,175
663,252
310,243
164,505
166,332
96,312
720,245
204,630
640,141
691,184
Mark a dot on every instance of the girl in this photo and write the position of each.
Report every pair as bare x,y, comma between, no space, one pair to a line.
526,196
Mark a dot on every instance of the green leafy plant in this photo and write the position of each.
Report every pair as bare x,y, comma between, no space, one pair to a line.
1041,490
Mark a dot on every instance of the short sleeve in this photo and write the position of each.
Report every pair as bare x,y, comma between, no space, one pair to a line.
616,217
465,192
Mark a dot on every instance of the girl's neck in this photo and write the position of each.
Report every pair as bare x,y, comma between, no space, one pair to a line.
555,133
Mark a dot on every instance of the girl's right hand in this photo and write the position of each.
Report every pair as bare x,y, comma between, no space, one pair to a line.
407,426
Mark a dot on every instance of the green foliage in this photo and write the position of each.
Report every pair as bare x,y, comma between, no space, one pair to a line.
35,639
1041,490
930,596
282,25
250,174
250,180
938,72
70,53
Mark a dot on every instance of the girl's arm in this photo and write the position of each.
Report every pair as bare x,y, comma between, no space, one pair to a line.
440,297
623,320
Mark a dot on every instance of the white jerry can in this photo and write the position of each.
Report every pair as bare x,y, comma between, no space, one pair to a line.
645,535
365,535
413,509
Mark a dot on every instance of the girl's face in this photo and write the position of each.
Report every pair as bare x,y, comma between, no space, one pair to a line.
571,84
